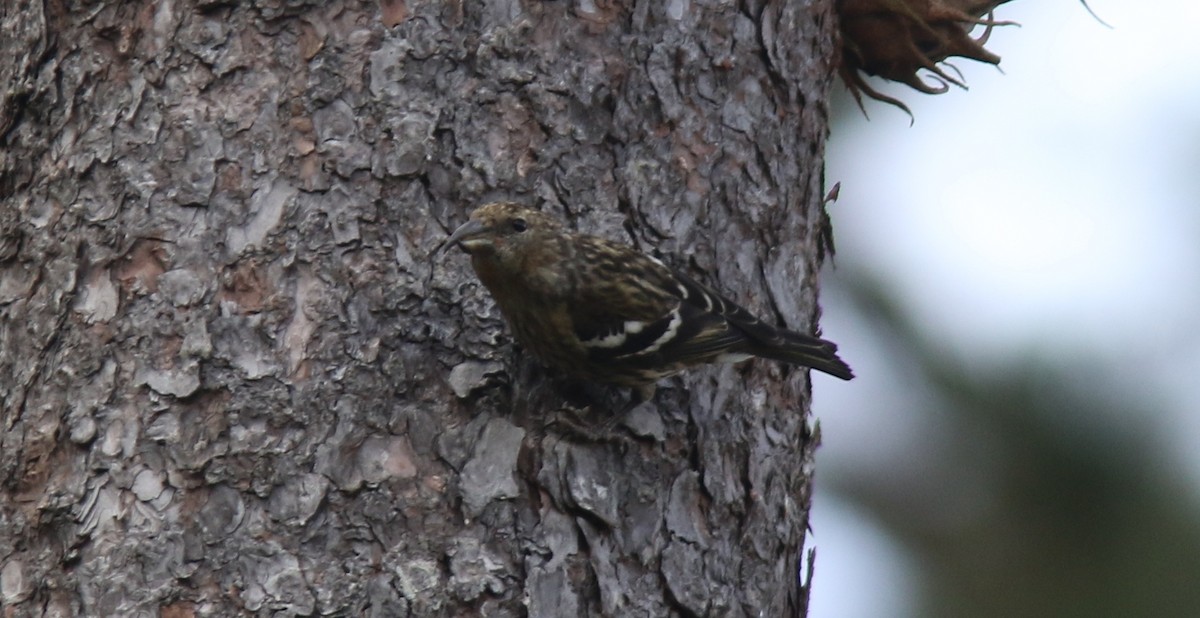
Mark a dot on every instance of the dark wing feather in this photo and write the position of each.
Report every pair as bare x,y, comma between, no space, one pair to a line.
633,308
762,339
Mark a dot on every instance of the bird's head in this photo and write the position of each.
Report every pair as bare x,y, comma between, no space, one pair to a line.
504,232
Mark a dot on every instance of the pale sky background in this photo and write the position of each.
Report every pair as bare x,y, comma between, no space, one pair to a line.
1051,207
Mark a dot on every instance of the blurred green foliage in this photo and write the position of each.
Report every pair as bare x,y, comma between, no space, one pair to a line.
1073,511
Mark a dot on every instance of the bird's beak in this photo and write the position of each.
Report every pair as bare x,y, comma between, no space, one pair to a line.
467,236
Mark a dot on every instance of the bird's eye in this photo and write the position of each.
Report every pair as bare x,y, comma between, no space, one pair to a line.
519,225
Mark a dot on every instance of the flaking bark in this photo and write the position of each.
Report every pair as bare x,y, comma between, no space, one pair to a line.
233,383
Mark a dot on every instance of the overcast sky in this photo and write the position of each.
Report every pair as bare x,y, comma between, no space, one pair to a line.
1050,207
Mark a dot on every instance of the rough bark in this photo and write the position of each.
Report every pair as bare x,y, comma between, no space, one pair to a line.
233,382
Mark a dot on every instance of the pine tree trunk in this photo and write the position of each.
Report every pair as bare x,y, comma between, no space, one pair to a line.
233,381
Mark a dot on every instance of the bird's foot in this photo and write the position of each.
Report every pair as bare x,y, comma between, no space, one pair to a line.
575,422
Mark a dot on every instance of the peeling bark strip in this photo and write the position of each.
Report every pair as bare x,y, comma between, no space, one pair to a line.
233,383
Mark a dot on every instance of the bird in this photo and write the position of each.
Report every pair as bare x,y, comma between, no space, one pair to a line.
602,311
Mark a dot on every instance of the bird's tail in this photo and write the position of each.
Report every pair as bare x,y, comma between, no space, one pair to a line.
797,349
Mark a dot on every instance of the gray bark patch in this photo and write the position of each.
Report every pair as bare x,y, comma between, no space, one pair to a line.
490,474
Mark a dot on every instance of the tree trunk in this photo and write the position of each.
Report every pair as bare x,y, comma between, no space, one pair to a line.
233,381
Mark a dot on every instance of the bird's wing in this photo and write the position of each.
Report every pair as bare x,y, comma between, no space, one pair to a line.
761,339
631,306
635,309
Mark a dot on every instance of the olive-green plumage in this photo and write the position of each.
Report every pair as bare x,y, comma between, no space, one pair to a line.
602,311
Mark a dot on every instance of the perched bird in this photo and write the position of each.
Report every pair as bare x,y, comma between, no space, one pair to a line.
602,311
